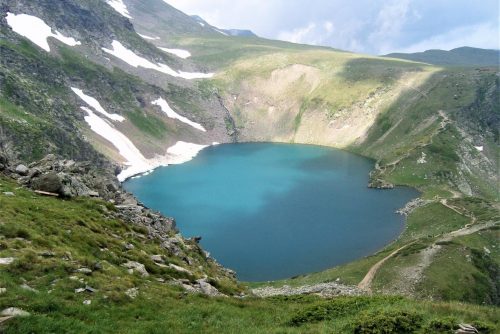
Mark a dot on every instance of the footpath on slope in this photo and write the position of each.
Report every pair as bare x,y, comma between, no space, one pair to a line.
429,251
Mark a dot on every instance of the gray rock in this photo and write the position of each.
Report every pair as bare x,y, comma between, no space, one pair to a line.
179,269
3,290
89,289
6,260
49,182
14,312
84,271
22,170
129,246
207,289
34,173
25,286
132,293
8,193
87,302
136,266
325,290
157,258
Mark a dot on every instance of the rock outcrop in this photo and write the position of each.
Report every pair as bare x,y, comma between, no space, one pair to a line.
67,179
325,290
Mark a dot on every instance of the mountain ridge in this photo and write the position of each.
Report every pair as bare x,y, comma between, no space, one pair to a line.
462,56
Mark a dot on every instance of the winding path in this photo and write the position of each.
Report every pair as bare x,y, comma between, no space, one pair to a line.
366,283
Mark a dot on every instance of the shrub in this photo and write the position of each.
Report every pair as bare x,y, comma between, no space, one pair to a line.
329,310
394,322
484,327
444,325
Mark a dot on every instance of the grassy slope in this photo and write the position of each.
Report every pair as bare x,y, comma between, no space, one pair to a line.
406,127
77,231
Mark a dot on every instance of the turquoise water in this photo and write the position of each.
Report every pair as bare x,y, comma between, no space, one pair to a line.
272,211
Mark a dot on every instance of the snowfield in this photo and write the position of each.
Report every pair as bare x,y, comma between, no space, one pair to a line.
120,7
220,32
136,163
148,37
177,52
182,152
121,52
172,114
124,146
96,105
36,30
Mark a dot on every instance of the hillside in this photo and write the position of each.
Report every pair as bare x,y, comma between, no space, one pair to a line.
106,89
464,56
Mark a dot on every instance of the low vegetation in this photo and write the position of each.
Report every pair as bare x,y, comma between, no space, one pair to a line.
52,239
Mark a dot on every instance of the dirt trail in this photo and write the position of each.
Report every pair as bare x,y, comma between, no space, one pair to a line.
365,284
414,273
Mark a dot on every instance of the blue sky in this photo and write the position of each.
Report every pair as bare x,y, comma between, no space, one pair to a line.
366,26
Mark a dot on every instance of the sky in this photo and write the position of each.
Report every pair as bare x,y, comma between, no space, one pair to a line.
365,26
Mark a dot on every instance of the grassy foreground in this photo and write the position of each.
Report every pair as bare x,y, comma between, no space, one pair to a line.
51,238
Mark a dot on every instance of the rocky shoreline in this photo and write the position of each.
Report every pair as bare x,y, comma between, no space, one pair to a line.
67,179
324,290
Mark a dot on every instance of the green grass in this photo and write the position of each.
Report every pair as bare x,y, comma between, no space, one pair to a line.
81,233
464,271
432,220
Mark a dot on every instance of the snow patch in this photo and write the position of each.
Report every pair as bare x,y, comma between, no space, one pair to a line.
201,24
178,52
220,31
96,105
172,114
479,148
125,147
182,152
136,163
120,7
36,30
148,37
134,60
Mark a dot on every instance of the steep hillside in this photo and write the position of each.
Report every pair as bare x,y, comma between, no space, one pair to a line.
464,56
143,96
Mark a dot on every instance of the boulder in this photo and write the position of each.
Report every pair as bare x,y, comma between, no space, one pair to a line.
157,258
22,170
179,269
136,266
14,312
207,289
49,182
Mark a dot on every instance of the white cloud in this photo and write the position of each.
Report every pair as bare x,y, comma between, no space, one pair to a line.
391,19
313,33
484,35
363,26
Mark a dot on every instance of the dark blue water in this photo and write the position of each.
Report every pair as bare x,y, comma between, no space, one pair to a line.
272,211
